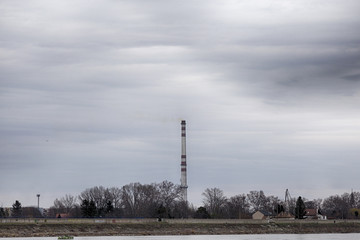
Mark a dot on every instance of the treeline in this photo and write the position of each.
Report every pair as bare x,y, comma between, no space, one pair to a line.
345,206
133,200
163,200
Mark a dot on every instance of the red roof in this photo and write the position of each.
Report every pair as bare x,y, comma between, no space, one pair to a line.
311,212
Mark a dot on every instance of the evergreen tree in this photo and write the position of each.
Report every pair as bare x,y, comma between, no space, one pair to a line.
88,209
201,212
109,207
279,209
92,209
352,200
300,208
2,213
16,210
161,211
84,208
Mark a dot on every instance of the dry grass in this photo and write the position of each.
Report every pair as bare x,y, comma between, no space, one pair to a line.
152,227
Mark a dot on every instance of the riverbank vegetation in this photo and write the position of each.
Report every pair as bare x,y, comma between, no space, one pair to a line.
171,227
163,200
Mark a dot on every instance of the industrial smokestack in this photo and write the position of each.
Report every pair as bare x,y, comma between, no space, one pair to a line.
183,180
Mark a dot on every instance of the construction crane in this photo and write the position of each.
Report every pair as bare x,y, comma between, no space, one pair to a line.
287,201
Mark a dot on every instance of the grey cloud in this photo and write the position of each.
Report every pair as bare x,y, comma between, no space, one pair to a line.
355,77
88,88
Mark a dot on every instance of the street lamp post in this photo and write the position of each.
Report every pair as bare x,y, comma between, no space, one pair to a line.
38,196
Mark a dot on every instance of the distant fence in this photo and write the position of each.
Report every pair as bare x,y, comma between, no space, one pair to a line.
78,220
170,221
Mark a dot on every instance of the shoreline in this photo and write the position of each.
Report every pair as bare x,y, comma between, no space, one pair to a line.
143,227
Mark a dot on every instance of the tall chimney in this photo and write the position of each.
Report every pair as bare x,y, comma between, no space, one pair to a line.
183,180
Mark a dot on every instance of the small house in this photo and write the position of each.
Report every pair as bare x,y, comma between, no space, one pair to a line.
261,215
62,215
313,214
285,215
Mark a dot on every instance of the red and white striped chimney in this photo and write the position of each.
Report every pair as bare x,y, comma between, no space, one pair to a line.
183,180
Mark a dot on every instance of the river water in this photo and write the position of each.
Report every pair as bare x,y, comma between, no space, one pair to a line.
345,236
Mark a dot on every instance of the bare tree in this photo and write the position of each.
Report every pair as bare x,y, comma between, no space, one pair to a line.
58,204
139,200
182,209
169,194
314,204
337,206
99,196
355,199
271,204
238,207
69,202
131,199
149,202
214,201
114,194
257,200
66,204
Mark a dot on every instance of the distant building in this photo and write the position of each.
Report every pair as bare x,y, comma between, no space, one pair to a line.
313,214
285,215
261,215
62,215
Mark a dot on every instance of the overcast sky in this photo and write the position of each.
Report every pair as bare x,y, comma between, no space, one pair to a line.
92,93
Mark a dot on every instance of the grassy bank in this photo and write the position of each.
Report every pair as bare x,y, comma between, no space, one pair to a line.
146,227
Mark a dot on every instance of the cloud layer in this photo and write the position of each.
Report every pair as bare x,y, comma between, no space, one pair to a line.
92,93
